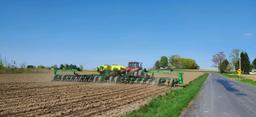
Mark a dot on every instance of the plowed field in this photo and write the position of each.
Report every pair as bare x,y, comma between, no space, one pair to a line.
72,99
35,94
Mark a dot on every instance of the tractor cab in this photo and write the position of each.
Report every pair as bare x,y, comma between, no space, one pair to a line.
134,67
135,64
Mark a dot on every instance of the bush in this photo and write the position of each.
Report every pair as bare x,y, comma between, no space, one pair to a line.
224,66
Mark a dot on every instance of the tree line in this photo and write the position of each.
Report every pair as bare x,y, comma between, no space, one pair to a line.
175,62
11,66
61,67
224,65
70,67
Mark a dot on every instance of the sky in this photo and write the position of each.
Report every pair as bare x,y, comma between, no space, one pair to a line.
96,32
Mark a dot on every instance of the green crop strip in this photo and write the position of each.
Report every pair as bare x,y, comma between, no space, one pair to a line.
171,104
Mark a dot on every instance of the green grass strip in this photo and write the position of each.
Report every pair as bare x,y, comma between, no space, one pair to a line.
171,104
240,79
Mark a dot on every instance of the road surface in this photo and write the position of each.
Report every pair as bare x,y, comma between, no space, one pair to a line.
221,97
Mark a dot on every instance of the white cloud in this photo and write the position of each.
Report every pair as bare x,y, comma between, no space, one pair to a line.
248,34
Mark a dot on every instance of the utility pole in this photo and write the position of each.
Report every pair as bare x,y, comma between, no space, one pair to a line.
240,62
240,69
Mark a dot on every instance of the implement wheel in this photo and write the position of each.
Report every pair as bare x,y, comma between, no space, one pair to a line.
116,79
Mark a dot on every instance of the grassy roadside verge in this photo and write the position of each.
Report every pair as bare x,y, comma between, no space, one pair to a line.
241,79
171,104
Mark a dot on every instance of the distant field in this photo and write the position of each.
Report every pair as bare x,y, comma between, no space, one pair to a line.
89,72
34,77
23,70
26,77
188,75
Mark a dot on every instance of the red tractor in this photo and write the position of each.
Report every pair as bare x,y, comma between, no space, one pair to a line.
134,72
135,69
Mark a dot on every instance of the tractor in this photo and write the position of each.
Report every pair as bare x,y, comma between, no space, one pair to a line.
134,69
134,73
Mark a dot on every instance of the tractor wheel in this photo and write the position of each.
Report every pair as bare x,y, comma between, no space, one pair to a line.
174,82
171,82
139,73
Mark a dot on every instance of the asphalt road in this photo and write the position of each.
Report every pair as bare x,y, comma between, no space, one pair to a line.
221,97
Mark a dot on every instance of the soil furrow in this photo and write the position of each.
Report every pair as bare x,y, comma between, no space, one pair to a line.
59,102
114,103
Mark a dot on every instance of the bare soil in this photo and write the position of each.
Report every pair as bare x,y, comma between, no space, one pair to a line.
34,77
74,99
26,77
35,94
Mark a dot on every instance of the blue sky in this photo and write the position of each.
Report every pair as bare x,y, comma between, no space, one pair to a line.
95,32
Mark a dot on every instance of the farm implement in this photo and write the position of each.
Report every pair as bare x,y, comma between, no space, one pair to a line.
134,73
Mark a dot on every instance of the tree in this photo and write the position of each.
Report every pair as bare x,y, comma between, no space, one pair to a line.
254,63
224,66
54,67
62,66
31,66
182,63
218,58
234,57
163,62
174,60
81,67
245,63
187,63
70,67
157,64
41,67
1,63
